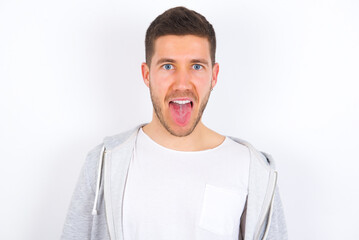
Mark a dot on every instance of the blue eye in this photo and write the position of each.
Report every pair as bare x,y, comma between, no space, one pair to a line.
168,66
197,67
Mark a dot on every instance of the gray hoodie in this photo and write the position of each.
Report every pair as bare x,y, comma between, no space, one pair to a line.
96,207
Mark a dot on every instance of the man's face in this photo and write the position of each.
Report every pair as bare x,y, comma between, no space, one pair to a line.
180,79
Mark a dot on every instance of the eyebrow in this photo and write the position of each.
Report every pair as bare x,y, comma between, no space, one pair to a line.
200,60
163,60
169,60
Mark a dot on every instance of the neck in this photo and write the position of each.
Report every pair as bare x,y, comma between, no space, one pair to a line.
201,138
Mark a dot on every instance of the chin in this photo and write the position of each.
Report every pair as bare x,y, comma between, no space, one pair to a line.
180,131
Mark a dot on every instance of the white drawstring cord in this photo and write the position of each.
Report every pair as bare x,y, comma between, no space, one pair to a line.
270,210
94,209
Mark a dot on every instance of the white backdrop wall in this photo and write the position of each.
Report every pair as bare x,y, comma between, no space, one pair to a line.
70,75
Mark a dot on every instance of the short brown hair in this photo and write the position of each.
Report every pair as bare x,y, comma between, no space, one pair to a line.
179,21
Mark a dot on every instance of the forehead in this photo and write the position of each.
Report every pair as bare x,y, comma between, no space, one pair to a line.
186,46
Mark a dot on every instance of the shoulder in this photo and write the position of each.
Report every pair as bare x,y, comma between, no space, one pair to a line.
255,154
112,142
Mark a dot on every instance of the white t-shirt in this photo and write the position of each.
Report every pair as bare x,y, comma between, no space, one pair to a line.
178,195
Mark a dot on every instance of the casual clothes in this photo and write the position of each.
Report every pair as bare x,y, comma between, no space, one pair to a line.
99,204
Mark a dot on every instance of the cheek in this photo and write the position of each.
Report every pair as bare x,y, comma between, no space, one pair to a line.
160,75
159,84
202,81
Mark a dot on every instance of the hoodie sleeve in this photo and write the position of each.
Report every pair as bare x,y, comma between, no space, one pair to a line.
278,228
78,223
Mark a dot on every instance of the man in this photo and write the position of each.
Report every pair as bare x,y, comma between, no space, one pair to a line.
174,178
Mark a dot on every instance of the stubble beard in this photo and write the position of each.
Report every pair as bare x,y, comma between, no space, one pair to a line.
159,113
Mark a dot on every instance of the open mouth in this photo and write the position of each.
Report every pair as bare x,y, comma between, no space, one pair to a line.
182,102
181,111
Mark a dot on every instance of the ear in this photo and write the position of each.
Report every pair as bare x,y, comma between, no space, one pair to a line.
215,70
145,74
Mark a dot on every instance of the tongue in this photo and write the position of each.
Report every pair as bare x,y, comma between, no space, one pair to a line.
181,113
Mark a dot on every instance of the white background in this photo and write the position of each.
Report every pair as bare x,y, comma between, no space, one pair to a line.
70,75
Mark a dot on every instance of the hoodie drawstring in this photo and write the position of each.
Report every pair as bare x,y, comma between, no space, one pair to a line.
94,209
270,208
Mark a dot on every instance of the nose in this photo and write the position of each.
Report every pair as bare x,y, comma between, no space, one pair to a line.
183,80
